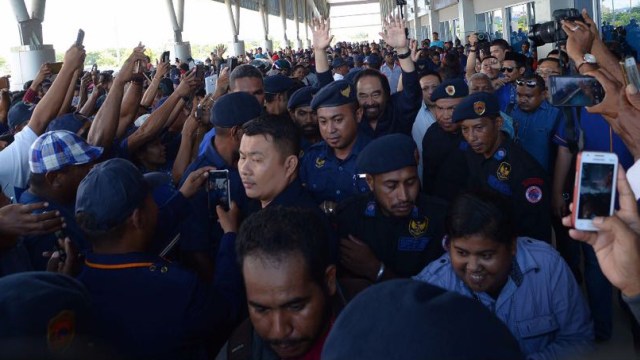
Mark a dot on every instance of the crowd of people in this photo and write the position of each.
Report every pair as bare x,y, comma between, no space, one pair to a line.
394,199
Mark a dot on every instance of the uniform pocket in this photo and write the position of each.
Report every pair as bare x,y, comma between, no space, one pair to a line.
537,326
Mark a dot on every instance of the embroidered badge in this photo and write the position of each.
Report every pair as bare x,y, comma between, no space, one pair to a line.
504,170
370,210
412,244
61,330
533,194
450,90
479,107
346,91
320,162
418,227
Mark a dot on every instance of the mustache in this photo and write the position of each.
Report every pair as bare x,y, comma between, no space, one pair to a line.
286,342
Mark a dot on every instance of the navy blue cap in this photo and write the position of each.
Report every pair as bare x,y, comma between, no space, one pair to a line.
450,89
337,62
276,84
235,109
302,97
19,114
387,153
408,319
475,106
281,64
334,94
372,60
71,122
110,193
42,309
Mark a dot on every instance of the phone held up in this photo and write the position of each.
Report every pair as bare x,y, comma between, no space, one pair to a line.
218,192
630,70
576,90
594,193
80,38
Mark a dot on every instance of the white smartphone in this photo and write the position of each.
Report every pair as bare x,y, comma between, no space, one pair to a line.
631,71
594,193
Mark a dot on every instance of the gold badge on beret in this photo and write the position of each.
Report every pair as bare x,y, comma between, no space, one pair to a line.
450,90
346,91
479,107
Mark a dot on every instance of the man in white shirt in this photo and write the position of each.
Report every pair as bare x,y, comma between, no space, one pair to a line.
392,71
429,81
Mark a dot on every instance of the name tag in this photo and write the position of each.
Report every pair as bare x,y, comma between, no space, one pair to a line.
412,244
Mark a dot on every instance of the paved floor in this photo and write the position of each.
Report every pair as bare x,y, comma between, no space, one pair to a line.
621,344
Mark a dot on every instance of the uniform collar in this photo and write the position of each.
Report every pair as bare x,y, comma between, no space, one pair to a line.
211,154
361,141
293,193
120,261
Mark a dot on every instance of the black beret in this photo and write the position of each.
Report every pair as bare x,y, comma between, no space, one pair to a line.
476,105
409,319
276,84
387,153
235,109
301,97
336,93
450,88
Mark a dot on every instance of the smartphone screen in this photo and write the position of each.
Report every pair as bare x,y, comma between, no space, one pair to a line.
165,56
595,193
55,67
200,72
575,91
218,190
233,62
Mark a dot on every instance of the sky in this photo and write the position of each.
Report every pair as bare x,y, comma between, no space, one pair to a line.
122,23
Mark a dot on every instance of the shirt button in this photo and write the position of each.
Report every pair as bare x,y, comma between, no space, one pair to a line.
164,269
338,192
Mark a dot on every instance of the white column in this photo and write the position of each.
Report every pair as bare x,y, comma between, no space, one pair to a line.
283,17
467,18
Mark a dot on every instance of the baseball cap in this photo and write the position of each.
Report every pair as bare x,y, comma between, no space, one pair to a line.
110,193
19,114
55,150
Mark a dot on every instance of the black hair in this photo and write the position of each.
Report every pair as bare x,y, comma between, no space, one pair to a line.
451,68
502,43
377,74
563,54
284,133
481,213
429,73
277,232
551,60
540,84
244,71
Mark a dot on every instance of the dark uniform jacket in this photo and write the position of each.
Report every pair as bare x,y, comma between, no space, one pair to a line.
440,147
404,245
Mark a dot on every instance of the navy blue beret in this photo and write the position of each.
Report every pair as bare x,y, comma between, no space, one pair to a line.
475,106
276,84
235,109
337,62
38,307
336,93
450,88
387,153
408,319
302,97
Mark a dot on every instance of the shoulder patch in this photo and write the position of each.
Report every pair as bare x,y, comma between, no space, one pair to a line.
533,194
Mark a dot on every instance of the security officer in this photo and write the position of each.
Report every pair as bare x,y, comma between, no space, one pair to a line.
328,168
496,163
395,230
144,306
442,139
306,119
199,233
276,88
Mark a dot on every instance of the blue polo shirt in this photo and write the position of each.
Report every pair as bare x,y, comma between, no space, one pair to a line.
200,232
598,136
328,178
537,131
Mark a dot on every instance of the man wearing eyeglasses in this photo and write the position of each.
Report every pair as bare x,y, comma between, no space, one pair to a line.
513,68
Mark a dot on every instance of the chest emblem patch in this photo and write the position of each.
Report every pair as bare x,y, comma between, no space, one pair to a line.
504,170
320,162
533,194
418,227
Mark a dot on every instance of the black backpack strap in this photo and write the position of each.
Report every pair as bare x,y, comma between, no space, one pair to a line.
239,344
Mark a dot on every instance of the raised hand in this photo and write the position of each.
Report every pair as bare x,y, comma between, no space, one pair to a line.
74,57
321,33
18,219
188,83
394,34
415,53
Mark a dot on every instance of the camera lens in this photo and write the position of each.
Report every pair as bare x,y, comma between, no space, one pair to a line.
543,33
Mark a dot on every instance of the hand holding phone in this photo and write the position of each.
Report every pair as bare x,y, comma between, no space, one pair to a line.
80,38
594,193
218,190
631,71
575,91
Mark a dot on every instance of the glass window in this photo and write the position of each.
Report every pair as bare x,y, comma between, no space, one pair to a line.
490,23
520,18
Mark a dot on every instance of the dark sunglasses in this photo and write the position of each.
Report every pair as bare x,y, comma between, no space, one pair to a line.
529,83
507,69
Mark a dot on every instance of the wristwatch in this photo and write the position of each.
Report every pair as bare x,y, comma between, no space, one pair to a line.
587,59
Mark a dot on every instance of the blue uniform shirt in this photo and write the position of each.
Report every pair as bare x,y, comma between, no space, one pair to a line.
506,95
540,303
598,136
328,178
35,245
146,307
199,231
537,131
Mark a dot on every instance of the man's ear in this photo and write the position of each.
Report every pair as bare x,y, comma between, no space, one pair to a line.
291,165
53,178
330,279
522,70
370,181
499,122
